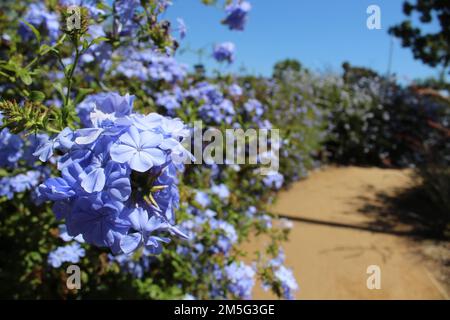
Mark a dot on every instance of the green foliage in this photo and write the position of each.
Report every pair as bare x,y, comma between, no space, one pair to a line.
29,232
32,117
432,49
286,65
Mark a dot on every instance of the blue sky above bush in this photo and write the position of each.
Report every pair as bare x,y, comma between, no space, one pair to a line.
321,34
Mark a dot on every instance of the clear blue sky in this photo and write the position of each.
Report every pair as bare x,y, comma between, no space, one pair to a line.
320,33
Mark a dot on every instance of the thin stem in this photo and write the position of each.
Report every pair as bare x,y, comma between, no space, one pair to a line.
69,78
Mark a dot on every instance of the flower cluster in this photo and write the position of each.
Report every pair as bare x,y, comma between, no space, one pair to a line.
20,183
283,276
10,148
90,5
38,15
147,64
287,280
225,235
118,184
214,106
241,279
237,14
17,150
273,180
224,52
69,253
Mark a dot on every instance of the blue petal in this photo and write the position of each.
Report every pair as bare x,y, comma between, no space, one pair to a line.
94,181
44,151
56,189
141,162
88,135
130,242
120,189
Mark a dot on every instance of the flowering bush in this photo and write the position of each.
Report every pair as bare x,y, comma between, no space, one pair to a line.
95,118
100,165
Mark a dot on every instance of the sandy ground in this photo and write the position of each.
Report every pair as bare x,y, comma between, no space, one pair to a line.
333,243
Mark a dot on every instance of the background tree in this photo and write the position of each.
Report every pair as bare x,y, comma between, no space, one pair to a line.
432,49
285,65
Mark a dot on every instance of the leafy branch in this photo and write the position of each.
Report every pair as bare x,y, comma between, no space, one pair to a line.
32,117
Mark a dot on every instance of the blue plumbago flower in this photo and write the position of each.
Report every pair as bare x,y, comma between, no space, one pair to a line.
166,68
266,221
6,37
10,149
56,189
251,211
139,149
237,14
132,69
127,264
254,106
287,280
110,103
167,197
91,5
202,199
221,191
235,90
182,29
214,107
20,183
218,113
283,275
98,221
206,92
224,52
273,180
70,253
150,65
38,15
278,260
169,101
163,5
5,188
63,141
144,229
241,279
31,144
100,165
101,53
225,235
131,265
228,237
264,124
125,11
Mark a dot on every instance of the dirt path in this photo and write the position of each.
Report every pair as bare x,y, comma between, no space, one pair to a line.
333,243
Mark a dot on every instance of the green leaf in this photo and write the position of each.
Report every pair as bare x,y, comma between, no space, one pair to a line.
59,89
36,32
99,40
85,44
37,96
25,77
44,49
68,68
82,92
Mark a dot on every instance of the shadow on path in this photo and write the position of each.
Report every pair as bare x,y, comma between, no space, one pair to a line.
372,228
410,208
